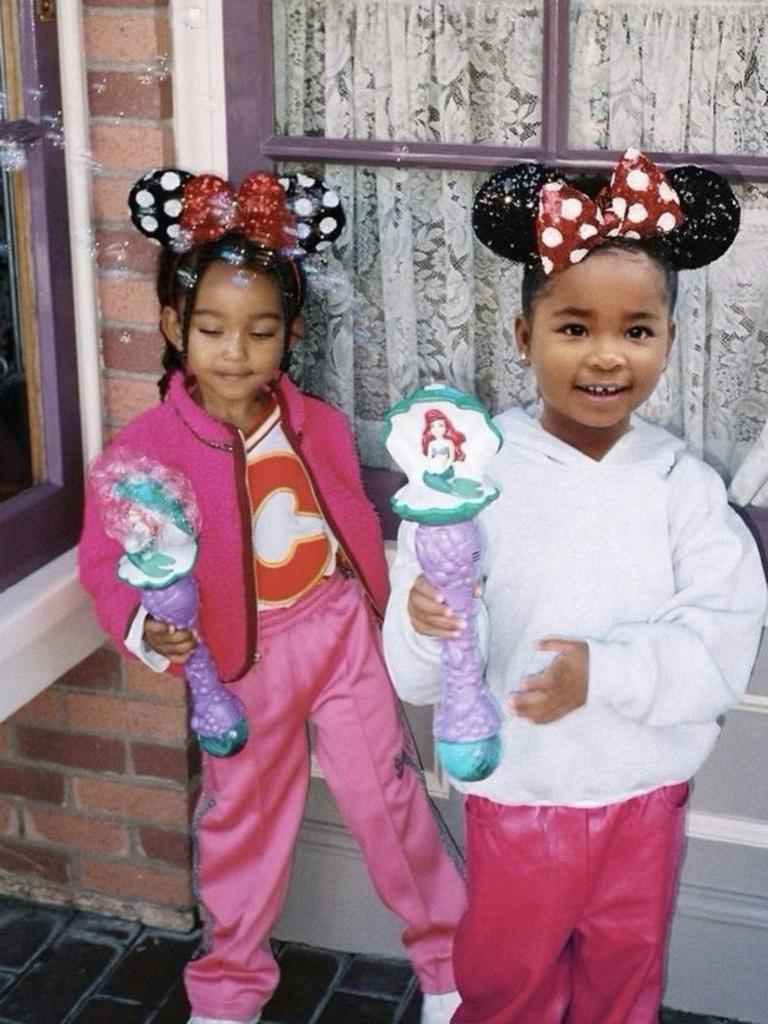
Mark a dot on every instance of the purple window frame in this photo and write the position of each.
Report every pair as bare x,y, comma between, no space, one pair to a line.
43,521
247,28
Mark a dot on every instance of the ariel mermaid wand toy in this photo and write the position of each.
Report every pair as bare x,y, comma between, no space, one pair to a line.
152,512
443,438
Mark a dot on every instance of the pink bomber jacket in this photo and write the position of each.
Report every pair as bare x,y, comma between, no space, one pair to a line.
181,435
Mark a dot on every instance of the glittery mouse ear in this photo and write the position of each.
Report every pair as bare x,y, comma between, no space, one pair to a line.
155,202
711,217
318,211
505,210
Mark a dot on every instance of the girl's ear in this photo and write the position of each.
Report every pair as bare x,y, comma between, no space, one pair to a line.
523,337
295,331
170,325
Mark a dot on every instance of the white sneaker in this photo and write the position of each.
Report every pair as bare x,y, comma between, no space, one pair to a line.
439,1007
218,1020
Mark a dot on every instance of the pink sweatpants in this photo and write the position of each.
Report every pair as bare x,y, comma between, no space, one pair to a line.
321,662
568,912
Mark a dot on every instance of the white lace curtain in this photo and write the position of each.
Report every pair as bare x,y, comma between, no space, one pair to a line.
426,300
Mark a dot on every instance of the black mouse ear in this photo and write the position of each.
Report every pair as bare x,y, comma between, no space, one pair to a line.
505,210
155,202
711,218
318,211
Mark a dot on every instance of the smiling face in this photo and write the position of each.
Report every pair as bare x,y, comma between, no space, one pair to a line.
237,336
597,337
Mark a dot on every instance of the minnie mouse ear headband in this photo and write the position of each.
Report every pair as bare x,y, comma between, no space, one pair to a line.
531,214
297,213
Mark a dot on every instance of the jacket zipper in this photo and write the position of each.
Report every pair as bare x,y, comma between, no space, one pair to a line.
249,574
293,440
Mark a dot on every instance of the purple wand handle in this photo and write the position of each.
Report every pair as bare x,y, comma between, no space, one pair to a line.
215,711
448,555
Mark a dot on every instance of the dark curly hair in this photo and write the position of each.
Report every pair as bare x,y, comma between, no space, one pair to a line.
179,276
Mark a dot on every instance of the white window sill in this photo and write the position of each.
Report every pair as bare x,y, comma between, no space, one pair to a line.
46,627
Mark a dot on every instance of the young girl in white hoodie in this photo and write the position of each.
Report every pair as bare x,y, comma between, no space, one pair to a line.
623,601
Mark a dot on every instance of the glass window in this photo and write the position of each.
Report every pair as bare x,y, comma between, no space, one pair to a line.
683,77
467,71
40,449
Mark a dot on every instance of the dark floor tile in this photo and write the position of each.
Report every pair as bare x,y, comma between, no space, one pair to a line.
123,932
6,980
175,1008
60,978
150,968
412,1011
346,1007
25,931
377,976
306,976
109,1011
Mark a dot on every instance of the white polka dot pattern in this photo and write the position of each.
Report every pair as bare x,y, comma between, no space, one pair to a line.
638,203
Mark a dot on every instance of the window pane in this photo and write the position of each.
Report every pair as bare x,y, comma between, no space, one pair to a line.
16,456
688,76
40,441
456,71
409,297
15,446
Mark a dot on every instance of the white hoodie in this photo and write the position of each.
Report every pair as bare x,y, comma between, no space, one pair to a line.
640,555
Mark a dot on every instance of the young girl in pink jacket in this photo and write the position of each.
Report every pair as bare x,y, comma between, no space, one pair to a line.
292,583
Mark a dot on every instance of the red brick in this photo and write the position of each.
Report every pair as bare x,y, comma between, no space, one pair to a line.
74,830
141,680
132,802
129,300
24,859
130,94
6,740
99,671
125,37
136,881
31,783
126,397
177,764
172,847
131,146
125,717
133,350
76,750
125,249
9,818
45,709
110,197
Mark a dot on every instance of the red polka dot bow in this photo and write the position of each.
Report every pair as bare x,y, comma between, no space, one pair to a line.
211,208
639,202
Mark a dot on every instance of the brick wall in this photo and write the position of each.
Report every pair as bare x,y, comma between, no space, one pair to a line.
97,776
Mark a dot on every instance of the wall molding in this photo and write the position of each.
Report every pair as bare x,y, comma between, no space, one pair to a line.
753,702
721,828
722,906
199,97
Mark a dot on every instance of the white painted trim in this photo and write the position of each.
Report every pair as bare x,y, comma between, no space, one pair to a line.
74,96
721,828
753,702
199,97
722,906
46,625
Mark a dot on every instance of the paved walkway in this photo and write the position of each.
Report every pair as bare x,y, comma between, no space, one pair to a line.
61,966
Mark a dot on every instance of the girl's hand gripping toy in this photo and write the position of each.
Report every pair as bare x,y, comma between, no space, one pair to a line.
443,439
151,510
